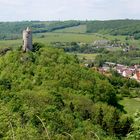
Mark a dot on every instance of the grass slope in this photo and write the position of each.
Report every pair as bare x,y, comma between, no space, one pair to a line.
131,105
75,29
87,56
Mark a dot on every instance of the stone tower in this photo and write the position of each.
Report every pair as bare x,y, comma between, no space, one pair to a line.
27,40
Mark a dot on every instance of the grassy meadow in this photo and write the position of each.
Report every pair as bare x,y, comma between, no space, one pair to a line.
87,56
47,38
10,43
67,37
76,29
131,105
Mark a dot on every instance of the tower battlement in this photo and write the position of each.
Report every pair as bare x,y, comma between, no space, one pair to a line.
27,40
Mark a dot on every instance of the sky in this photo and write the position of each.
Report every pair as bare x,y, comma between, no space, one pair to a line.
19,10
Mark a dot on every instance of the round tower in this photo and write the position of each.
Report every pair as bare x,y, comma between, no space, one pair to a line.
27,40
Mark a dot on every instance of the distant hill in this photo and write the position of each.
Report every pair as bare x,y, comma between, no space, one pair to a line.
13,30
115,27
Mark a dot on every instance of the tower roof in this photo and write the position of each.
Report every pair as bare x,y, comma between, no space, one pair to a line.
28,29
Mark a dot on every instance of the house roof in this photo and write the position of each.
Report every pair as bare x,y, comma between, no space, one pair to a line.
120,69
138,75
128,72
132,67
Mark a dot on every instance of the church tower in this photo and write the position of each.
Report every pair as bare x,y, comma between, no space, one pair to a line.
27,40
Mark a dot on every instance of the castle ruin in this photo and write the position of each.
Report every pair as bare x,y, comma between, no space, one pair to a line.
27,40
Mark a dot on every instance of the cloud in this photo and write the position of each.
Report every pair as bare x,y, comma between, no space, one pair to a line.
68,9
12,3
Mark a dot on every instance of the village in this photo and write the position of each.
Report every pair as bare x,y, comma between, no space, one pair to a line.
131,72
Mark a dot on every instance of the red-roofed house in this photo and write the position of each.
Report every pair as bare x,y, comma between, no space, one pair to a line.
127,73
137,75
120,68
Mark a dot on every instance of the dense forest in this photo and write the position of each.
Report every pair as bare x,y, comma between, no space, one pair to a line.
115,27
47,94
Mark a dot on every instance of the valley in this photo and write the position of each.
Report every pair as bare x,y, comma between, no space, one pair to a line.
57,90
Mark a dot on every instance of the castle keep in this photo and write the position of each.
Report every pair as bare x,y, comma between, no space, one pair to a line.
27,40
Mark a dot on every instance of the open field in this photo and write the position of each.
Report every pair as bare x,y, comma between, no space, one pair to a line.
53,37
87,56
49,37
131,105
10,43
75,29
67,37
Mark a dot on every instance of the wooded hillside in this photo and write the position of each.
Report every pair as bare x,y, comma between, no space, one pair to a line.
115,27
46,94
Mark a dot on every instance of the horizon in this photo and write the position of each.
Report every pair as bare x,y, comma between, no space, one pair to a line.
63,10
68,20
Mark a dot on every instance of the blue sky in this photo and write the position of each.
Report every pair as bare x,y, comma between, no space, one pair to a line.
17,10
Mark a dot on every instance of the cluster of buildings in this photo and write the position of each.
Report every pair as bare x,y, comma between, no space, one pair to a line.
110,44
132,72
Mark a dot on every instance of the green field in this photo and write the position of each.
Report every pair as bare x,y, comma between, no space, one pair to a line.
87,56
47,38
53,37
75,29
131,105
67,37
10,43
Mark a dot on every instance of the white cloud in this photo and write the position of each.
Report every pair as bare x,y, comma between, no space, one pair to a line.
12,3
68,9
